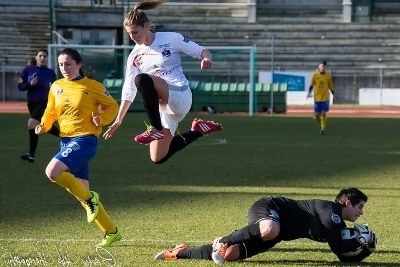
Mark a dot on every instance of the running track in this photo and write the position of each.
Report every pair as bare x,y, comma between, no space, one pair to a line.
336,110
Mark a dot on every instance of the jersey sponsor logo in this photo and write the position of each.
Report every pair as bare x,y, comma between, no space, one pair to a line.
86,92
106,93
60,91
31,77
163,71
166,53
164,45
137,60
336,218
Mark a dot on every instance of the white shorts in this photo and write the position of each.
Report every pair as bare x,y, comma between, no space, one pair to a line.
179,103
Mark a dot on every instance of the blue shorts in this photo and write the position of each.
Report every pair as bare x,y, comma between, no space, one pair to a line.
321,106
76,152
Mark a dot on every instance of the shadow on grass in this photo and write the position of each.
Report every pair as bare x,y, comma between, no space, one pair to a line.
319,263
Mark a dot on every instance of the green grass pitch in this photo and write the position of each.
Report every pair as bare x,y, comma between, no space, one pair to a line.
204,191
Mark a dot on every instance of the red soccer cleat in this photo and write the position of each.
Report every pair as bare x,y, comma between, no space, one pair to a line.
149,135
206,127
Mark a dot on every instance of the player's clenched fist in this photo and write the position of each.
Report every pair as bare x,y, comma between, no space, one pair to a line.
39,129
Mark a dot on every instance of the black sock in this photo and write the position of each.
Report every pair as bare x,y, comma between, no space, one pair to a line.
145,86
54,131
202,252
33,141
249,232
179,142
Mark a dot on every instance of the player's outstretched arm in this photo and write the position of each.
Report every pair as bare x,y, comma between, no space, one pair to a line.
123,109
111,130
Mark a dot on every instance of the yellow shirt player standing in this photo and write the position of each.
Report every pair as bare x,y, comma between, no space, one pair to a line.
74,102
322,83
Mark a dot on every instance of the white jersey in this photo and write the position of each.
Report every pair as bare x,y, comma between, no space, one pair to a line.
162,58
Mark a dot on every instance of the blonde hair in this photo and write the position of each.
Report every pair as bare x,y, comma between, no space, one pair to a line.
137,17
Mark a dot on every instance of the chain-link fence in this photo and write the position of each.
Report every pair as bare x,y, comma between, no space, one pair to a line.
347,83
232,65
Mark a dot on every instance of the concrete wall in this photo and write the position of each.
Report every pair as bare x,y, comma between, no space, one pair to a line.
379,96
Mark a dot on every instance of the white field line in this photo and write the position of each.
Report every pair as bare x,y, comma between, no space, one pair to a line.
165,241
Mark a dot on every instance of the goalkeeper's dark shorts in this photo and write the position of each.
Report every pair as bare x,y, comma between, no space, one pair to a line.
36,109
262,209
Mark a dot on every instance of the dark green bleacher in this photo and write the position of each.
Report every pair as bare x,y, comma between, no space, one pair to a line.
114,87
234,97
221,96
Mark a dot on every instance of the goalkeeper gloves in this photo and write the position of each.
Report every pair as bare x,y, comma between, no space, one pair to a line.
365,234
372,242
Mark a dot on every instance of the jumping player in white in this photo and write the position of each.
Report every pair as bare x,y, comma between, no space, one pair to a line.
154,69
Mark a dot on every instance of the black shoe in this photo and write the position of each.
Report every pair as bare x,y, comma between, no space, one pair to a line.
322,132
28,157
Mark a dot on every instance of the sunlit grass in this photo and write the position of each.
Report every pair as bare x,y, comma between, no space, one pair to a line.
202,192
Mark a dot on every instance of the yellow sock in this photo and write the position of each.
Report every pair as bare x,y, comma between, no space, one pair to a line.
76,188
104,222
323,122
318,120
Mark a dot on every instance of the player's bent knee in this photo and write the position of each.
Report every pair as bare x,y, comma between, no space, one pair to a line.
52,173
51,177
232,253
269,229
143,80
32,123
157,159
158,162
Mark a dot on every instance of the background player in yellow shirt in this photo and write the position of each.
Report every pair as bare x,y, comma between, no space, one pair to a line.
74,102
321,83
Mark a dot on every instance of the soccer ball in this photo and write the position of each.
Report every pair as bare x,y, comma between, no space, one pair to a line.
350,233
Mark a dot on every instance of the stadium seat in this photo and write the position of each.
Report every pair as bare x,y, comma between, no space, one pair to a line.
216,87
108,83
118,83
224,87
241,87
283,87
275,87
247,87
258,87
193,85
207,86
266,87
233,87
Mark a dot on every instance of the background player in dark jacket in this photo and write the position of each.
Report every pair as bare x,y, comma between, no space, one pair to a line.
275,219
36,78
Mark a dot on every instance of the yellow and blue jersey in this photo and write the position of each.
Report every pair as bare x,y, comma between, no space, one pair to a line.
321,83
71,103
